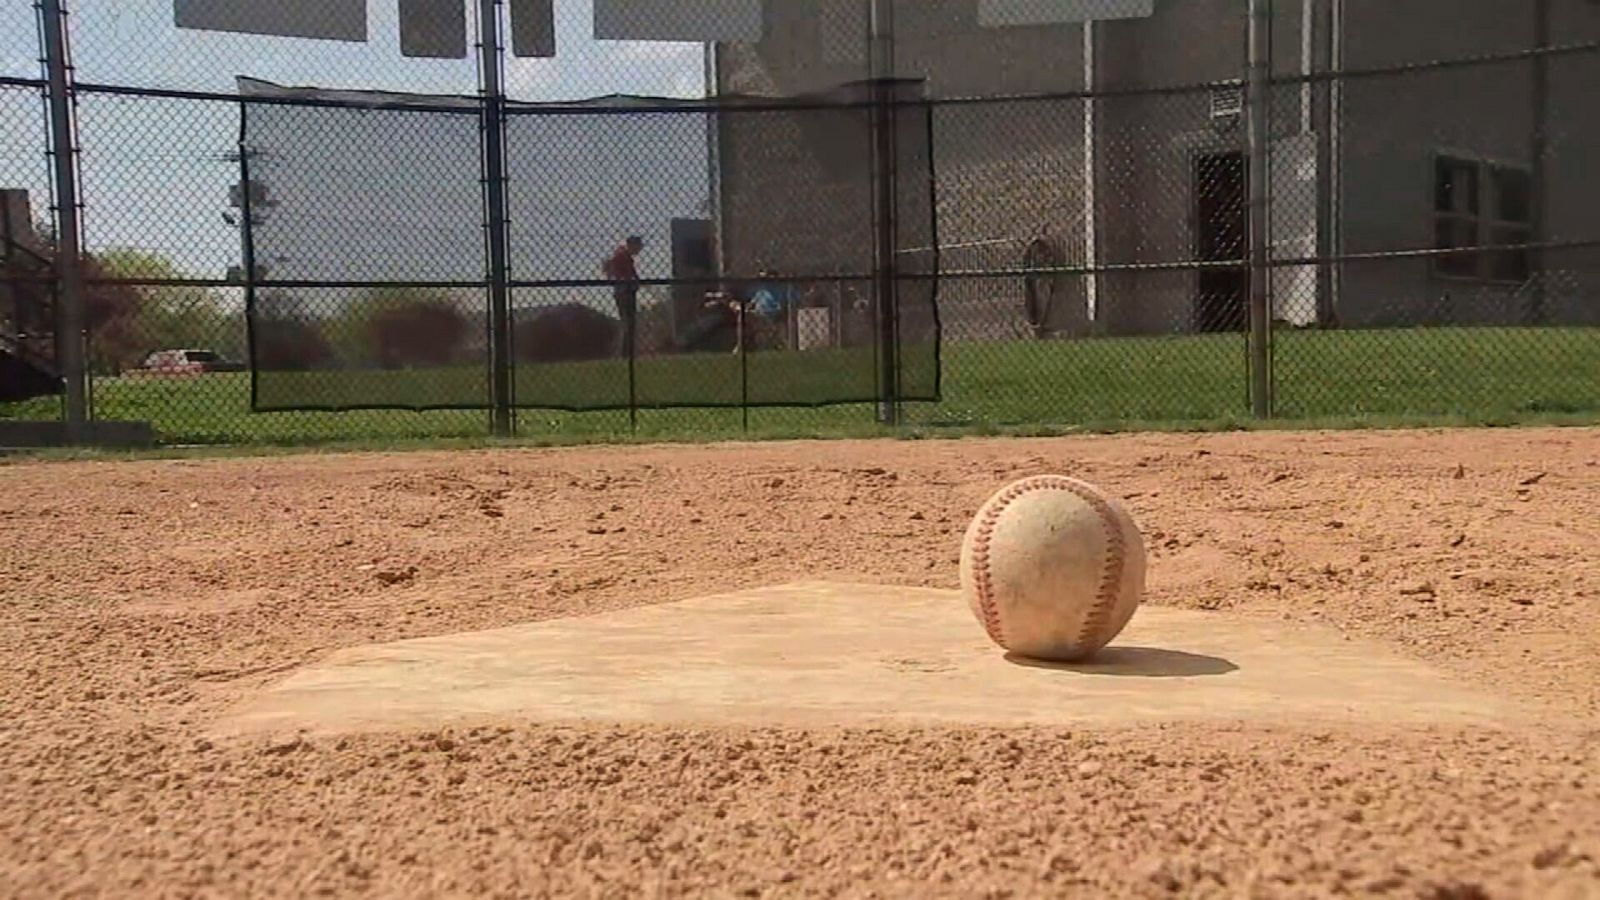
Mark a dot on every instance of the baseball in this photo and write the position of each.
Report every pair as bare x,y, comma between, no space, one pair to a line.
1053,568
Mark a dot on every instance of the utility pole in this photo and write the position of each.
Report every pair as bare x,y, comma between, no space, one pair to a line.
70,332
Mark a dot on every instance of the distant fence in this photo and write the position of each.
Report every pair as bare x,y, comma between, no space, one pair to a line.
370,218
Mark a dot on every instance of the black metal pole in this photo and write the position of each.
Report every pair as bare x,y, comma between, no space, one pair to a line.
1539,153
247,249
744,371
70,324
1328,21
494,195
1257,162
885,225
630,335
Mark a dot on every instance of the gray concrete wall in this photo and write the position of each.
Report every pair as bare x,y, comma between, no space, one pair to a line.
1149,145
1005,172
17,236
1010,170
1572,281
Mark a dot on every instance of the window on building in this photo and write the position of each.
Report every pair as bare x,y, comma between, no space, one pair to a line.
1511,222
1476,205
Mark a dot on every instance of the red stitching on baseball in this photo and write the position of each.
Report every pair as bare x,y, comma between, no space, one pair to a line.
1110,580
980,566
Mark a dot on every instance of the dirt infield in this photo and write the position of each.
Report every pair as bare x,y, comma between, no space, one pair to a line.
141,601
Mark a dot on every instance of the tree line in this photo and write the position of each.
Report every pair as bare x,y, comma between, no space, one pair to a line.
301,329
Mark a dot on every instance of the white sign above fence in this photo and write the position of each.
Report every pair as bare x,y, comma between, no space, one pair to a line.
1013,13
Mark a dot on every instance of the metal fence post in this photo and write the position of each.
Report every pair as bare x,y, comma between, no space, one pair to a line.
70,337
1539,153
885,202
1258,157
494,176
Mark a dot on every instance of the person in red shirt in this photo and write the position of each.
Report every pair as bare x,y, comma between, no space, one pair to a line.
621,270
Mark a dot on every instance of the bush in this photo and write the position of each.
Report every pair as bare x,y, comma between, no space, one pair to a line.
569,332
424,331
110,311
287,340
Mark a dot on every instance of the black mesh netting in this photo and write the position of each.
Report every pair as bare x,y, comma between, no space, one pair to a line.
757,266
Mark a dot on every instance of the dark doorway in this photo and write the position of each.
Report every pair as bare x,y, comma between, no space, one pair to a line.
694,265
1221,219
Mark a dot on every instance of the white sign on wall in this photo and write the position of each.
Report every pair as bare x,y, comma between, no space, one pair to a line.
1293,175
1015,13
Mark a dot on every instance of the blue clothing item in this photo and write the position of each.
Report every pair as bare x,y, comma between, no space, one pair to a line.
767,302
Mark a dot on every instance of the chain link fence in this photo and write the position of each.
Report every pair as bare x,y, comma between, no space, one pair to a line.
375,219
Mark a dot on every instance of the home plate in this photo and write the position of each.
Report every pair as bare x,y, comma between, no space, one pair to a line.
840,654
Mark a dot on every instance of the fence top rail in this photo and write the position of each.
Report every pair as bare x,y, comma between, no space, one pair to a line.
852,95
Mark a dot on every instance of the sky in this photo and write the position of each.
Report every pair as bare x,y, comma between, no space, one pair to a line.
156,172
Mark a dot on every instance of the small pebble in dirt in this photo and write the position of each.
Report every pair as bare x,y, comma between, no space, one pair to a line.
1522,601
1461,471
917,517
1534,479
1090,769
396,576
1420,589
1550,857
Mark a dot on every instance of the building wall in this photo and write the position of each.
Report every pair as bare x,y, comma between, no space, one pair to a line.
1394,127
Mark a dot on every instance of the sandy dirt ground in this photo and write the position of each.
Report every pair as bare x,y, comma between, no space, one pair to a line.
139,601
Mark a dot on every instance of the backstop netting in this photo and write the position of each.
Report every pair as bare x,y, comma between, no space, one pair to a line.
365,237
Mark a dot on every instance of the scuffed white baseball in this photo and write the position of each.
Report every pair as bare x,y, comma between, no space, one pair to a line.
1053,568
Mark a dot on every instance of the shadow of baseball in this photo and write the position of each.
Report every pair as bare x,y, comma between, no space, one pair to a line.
1136,662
